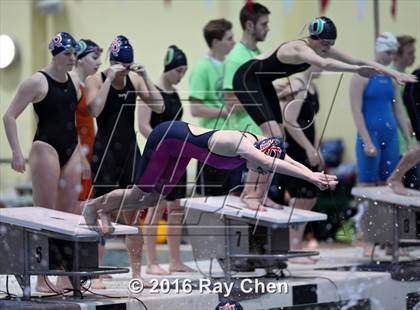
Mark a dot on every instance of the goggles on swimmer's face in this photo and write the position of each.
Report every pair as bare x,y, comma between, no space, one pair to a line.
96,50
88,46
127,66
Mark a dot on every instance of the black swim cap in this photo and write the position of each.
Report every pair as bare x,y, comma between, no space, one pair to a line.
174,58
121,50
229,305
322,28
88,46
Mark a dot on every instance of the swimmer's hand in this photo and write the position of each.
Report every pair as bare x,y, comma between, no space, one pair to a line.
18,162
369,149
402,78
113,70
368,71
139,69
314,157
323,181
286,93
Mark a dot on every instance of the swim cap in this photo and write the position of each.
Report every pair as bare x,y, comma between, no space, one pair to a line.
174,58
322,28
121,50
386,42
62,41
86,47
273,147
229,305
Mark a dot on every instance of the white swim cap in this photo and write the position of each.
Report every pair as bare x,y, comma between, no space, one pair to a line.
385,42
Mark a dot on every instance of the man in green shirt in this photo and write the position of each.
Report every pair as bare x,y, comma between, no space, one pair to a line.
207,103
254,22
254,19
206,79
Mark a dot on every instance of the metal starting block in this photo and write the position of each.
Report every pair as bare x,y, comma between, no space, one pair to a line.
242,239
394,219
40,241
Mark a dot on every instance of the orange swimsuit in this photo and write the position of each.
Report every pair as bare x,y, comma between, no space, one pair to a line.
86,133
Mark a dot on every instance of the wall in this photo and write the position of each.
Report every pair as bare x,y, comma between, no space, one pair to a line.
10,13
153,25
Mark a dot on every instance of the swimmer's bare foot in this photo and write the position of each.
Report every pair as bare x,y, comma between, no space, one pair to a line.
156,270
180,267
367,249
271,204
398,187
64,283
44,285
253,203
312,245
106,225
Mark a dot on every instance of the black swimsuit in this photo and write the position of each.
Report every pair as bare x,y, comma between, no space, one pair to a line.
169,149
56,117
253,85
173,109
296,187
411,98
173,112
115,151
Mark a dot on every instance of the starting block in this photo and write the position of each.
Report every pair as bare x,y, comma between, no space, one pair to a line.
390,218
242,239
40,241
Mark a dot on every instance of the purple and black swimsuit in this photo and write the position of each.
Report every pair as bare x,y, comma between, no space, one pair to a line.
169,149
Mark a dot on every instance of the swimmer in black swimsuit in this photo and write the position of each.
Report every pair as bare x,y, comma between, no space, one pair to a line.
175,66
411,97
299,109
111,98
253,80
55,159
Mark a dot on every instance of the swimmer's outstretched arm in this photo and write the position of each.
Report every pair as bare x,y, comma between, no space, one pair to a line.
297,164
337,61
303,53
344,57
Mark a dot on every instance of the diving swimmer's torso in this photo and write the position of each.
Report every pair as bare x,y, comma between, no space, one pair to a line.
226,142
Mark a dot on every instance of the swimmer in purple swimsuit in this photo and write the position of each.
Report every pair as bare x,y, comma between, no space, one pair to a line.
172,145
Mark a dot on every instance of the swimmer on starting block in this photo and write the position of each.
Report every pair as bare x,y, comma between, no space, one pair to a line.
169,149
